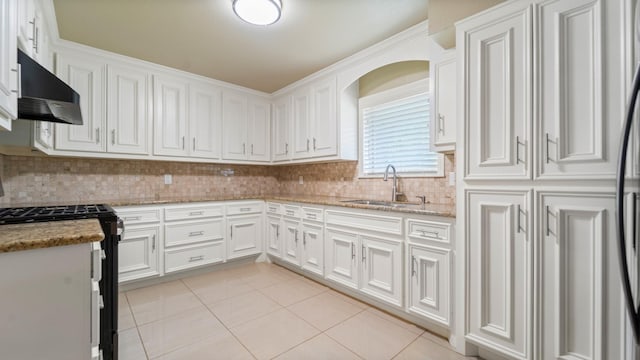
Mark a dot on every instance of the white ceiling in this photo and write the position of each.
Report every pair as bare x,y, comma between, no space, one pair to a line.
205,37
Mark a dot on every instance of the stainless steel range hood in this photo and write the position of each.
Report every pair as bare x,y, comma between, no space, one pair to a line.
44,97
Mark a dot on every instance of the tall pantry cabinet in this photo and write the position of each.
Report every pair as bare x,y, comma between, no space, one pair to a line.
540,89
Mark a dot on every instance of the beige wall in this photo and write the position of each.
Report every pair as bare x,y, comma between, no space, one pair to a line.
48,180
444,13
393,75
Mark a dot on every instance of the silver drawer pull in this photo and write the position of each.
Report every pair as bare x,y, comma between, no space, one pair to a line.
132,218
196,258
290,212
313,216
245,209
196,233
425,232
195,213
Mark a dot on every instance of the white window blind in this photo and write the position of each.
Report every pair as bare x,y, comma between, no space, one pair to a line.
397,132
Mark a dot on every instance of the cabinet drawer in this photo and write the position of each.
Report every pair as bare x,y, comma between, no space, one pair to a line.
384,224
193,231
428,230
245,208
314,214
135,216
193,212
292,211
274,208
193,256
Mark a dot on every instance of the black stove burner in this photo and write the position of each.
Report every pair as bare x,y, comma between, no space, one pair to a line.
52,213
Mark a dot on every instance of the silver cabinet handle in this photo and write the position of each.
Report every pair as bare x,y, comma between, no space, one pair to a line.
196,233
18,71
425,232
353,251
314,144
97,135
194,143
196,258
413,262
546,209
296,238
290,212
251,149
311,216
231,229
278,231
33,33
518,216
113,136
286,148
244,148
153,243
364,253
517,150
546,149
183,143
440,124
307,144
304,238
195,213
245,209
36,39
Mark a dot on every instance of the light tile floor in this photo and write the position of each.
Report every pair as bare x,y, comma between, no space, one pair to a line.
263,311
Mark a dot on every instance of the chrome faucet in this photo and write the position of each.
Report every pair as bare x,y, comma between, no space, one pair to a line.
394,190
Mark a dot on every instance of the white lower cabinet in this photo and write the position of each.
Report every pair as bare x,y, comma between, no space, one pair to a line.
245,235
190,256
312,258
429,282
274,236
138,253
139,249
291,238
499,266
382,268
303,239
580,303
342,254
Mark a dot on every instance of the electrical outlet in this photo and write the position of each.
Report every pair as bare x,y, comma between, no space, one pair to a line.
168,179
300,180
452,179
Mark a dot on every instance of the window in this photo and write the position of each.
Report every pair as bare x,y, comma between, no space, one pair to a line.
394,129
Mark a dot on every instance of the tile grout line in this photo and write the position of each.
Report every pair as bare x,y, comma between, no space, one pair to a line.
144,348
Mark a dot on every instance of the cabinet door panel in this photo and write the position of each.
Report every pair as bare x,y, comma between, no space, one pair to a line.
291,238
274,242
382,269
444,106
301,119
8,63
575,140
205,121
234,126
245,236
341,257
499,268
138,253
580,309
429,291
259,131
170,115
281,125
313,249
323,128
127,104
498,97
86,77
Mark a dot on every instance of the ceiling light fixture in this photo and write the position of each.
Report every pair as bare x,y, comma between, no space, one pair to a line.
258,12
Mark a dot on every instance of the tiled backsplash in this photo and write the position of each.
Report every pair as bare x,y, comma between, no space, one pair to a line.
71,180
341,179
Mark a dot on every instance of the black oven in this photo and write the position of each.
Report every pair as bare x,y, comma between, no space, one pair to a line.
112,227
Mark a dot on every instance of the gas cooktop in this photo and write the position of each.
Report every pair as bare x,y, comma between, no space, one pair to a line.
19,215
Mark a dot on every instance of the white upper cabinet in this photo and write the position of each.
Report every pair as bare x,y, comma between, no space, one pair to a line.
301,123
258,131
127,110
443,115
323,127
576,136
205,121
497,93
281,129
8,64
170,116
246,127
234,126
86,76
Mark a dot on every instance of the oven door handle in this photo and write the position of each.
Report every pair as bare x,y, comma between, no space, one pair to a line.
120,227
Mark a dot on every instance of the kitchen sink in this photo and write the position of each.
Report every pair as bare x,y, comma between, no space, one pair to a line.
378,203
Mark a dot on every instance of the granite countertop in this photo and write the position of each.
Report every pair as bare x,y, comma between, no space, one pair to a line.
413,208
17,237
